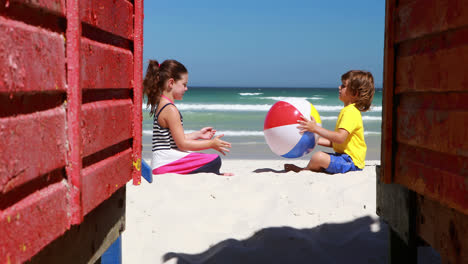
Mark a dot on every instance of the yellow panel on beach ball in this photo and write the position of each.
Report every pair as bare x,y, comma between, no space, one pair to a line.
315,114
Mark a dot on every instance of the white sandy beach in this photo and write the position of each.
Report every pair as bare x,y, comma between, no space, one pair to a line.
260,215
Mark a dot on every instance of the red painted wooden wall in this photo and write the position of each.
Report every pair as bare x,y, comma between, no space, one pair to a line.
70,114
425,117
425,99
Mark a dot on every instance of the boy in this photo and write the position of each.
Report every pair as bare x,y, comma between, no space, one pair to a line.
356,92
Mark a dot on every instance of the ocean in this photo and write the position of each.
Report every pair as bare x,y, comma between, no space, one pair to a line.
239,114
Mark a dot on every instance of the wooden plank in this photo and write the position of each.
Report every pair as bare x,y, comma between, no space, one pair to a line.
105,66
432,43
387,102
22,42
114,16
74,100
445,229
439,176
34,222
438,130
395,205
138,89
87,242
441,70
32,145
102,179
53,6
422,17
105,123
450,101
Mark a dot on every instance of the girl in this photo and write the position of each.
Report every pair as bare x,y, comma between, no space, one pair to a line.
163,84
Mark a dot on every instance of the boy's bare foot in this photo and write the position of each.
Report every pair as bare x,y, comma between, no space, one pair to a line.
227,174
292,167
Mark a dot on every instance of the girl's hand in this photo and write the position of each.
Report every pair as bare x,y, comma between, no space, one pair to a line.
206,133
307,125
220,145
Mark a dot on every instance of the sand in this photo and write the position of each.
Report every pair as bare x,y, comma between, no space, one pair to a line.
260,215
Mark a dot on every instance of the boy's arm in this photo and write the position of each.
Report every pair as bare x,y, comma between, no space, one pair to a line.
338,137
324,142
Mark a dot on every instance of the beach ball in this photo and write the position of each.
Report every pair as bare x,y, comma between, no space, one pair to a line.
281,132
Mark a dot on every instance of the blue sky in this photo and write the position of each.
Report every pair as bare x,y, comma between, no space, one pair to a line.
259,43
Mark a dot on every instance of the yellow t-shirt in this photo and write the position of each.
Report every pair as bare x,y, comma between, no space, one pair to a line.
355,146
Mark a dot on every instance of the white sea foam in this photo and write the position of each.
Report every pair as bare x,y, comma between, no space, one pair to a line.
281,98
225,107
367,133
249,94
329,117
231,133
242,133
253,107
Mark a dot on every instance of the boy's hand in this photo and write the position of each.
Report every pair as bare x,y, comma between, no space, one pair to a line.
307,125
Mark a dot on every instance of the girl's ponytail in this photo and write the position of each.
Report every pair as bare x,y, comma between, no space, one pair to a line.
151,87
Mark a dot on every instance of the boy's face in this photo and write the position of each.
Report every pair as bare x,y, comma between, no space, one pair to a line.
344,93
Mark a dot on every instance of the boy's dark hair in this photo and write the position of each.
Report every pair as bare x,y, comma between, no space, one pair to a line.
360,84
156,76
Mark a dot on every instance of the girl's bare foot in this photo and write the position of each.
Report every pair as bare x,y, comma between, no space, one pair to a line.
292,167
227,174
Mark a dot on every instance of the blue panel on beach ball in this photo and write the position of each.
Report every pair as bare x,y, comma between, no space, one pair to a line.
304,146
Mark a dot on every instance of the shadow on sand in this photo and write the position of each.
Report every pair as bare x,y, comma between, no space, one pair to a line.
262,170
350,242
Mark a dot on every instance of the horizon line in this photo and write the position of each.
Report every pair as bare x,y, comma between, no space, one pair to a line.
263,87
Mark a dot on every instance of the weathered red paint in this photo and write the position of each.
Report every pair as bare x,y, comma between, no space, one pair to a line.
24,139
32,223
105,123
440,61
54,6
114,16
102,179
43,184
105,66
20,43
413,21
427,128
425,115
433,174
74,109
386,155
138,90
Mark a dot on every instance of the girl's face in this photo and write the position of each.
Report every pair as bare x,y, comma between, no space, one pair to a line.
179,87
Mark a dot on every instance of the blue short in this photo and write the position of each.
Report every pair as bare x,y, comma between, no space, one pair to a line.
341,163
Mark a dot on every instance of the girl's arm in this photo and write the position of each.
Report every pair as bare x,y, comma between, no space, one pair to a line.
171,119
338,137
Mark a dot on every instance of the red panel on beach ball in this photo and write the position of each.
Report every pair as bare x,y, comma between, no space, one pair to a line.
281,114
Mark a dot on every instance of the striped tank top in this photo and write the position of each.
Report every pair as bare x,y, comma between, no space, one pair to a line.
162,137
